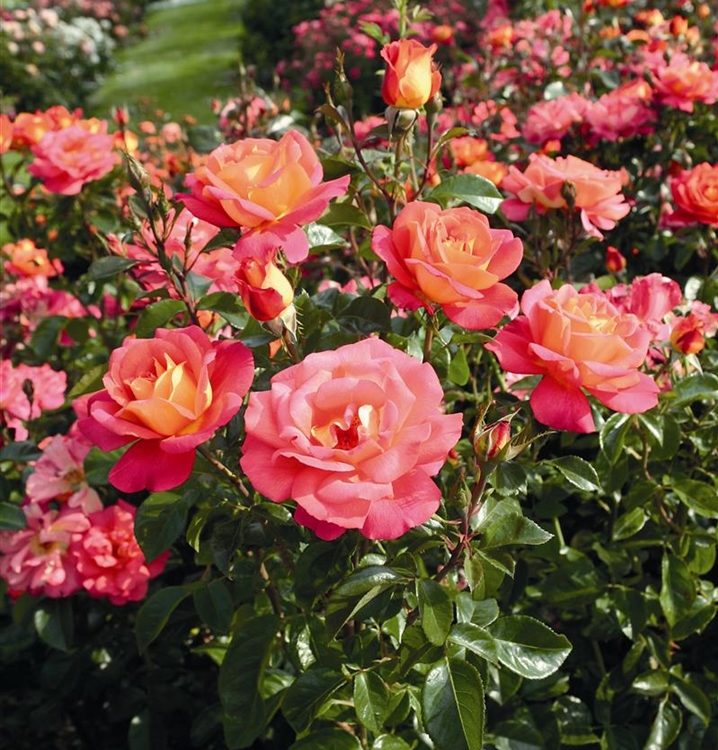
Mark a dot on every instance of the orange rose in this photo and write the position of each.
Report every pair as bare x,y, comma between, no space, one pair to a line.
268,187
28,260
411,77
695,194
265,290
451,258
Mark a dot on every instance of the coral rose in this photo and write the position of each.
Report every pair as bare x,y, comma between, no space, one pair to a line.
265,290
108,558
26,259
451,258
683,81
695,195
353,435
411,78
577,342
270,188
67,159
543,184
166,396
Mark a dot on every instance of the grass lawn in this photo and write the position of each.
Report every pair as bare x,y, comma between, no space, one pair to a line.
189,56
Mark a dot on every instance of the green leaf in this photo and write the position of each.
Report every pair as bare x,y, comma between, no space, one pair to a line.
698,496
665,728
473,189
437,611
54,623
578,471
213,602
475,639
324,739
371,700
89,382
695,387
157,315
366,578
105,268
229,306
12,517
159,522
692,698
613,434
20,451
651,683
629,524
574,720
695,621
155,613
344,214
241,678
321,237
309,695
389,742
528,647
365,315
677,588
459,372
506,525
46,335
453,706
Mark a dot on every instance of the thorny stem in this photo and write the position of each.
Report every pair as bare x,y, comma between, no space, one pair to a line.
224,470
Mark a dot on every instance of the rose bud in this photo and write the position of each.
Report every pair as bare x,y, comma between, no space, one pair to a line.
265,290
411,77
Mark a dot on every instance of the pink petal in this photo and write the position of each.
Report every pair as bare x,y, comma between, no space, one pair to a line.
561,407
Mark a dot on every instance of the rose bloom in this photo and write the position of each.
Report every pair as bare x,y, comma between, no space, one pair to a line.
616,115
26,259
411,77
265,290
451,258
36,559
683,81
165,396
30,128
552,119
695,195
59,473
597,192
687,335
353,436
108,558
67,159
578,342
270,188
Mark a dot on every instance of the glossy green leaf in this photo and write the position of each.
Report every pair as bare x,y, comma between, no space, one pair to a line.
309,695
321,237
459,372
89,382
506,525
228,305
528,647
105,268
343,215
700,497
695,387
475,639
692,698
629,524
678,589
473,189
157,315
390,742
53,621
159,522
365,315
613,434
579,472
324,739
665,727
453,706
155,613
437,610
366,578
241,677
371,700
213,602
12,517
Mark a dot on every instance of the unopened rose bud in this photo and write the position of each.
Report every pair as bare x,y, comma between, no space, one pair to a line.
490,442
411,77
687,335
265,290
615,262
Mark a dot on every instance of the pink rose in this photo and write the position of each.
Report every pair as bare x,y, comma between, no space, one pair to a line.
70,158
551,119
36,559
451,258
270,188
166,396
578,342
353,436
108,558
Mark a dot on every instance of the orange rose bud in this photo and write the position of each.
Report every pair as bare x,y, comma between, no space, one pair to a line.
687,335
615,262
678,25
490,442
443,34
411,77
265,290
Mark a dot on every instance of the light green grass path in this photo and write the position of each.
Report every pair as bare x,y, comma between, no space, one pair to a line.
189,57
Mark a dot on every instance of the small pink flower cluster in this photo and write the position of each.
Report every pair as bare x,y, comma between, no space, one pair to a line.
61,552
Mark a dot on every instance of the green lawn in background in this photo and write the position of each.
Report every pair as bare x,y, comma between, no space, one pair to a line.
189,57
